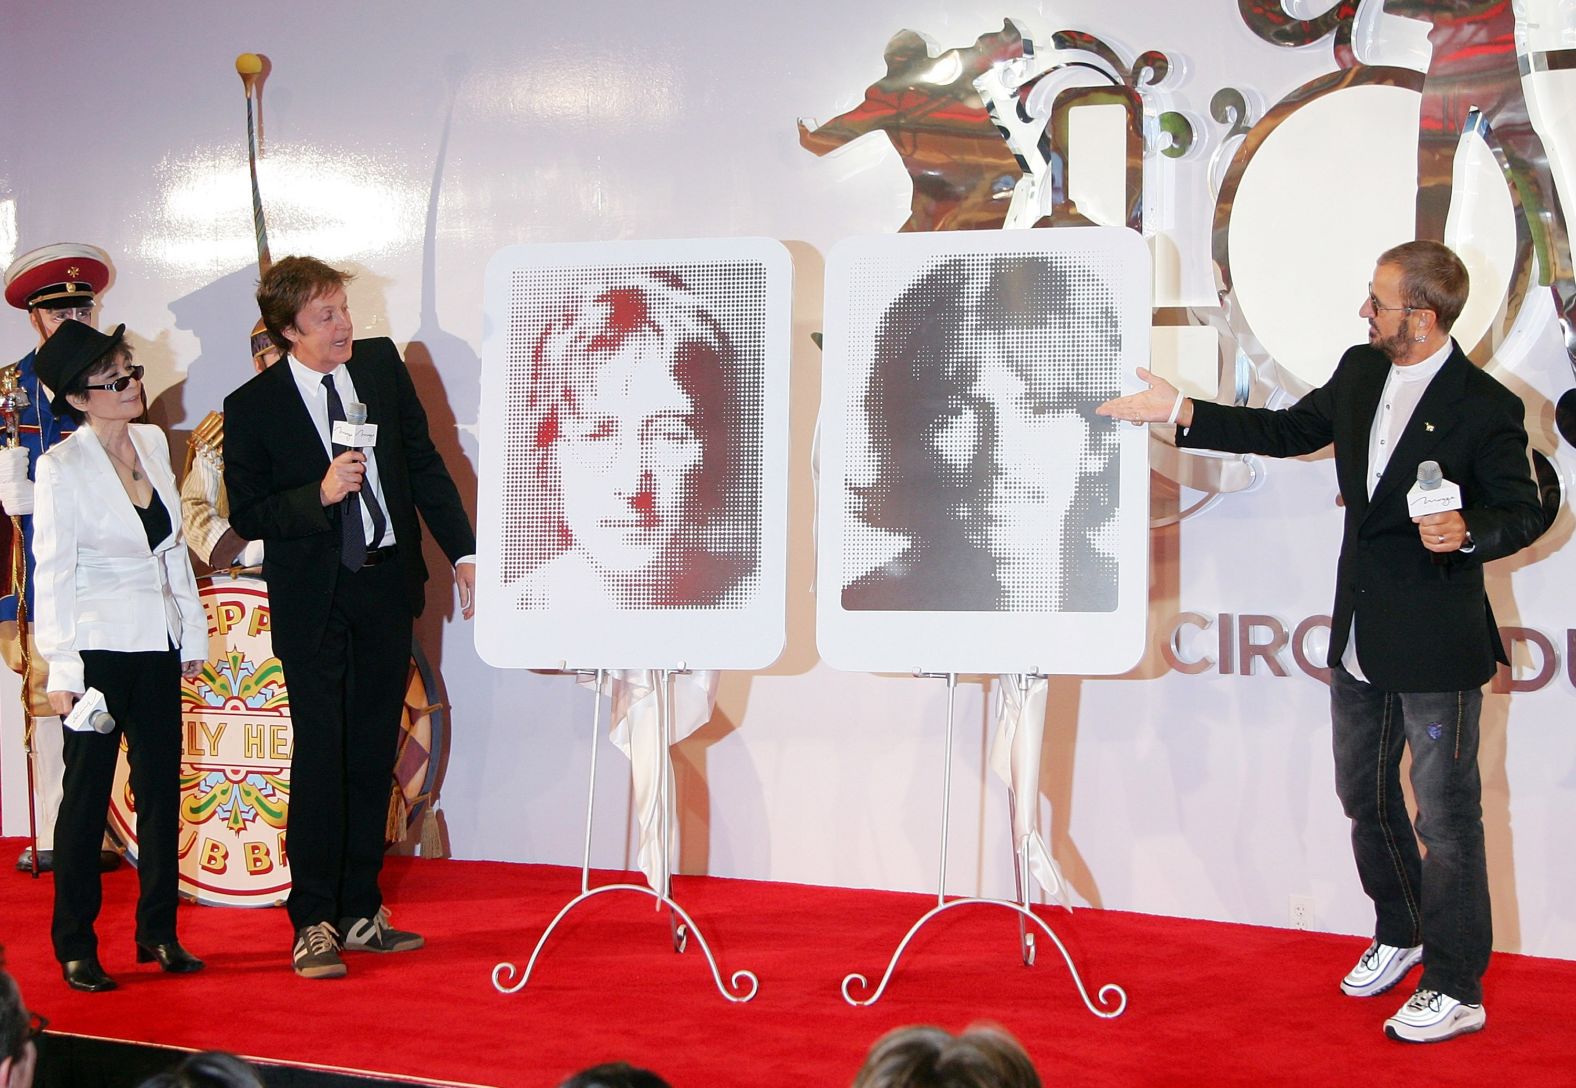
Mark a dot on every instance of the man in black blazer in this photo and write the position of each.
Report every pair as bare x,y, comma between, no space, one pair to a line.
1413,638
345,580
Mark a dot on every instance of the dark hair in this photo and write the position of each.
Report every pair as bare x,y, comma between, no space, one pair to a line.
78,386
211,1069
928,1057
926,351
654,305
567,354
288,286
1432,278
13,1017
614,1075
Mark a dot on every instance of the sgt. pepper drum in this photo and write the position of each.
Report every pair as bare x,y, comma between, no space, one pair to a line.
235,756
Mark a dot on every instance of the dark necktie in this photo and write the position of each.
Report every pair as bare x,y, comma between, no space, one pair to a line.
353,541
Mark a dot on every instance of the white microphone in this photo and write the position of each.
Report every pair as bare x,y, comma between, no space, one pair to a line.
1432,494
90,714
354,432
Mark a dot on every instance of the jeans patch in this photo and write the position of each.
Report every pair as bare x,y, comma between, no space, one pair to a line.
1435,730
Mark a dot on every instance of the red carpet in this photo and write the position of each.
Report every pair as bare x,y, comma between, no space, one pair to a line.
1209,1003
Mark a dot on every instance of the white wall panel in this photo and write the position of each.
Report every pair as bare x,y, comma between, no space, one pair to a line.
410,141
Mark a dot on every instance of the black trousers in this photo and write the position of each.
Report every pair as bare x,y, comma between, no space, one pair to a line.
143,692
345,703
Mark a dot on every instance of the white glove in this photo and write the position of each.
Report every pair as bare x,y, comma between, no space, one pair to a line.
16,490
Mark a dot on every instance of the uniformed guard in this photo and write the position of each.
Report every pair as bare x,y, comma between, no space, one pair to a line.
52,284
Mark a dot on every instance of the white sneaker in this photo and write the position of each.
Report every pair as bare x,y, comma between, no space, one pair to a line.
1379,969
1433,1017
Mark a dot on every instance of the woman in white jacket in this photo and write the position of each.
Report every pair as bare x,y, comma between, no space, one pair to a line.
117,611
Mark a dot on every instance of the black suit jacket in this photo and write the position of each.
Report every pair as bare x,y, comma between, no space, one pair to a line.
274,464
1423,622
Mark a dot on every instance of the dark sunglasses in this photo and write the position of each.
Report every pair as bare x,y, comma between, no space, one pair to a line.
120,384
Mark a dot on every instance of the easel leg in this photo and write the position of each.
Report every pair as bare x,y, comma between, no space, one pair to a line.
742,985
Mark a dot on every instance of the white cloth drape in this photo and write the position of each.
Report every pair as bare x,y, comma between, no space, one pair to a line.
1015,757
49,773
637,730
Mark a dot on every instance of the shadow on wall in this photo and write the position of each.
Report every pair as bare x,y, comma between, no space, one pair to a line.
220,315
809,278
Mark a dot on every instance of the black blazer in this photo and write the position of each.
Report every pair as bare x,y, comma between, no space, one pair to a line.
1423,622
274,463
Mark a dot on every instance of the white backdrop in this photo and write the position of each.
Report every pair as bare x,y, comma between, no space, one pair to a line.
410,141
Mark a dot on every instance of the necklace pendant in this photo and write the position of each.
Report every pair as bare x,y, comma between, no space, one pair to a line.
135,475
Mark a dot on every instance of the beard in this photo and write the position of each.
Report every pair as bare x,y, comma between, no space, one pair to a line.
1394,346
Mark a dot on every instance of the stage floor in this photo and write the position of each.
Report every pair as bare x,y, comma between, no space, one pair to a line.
1209,1003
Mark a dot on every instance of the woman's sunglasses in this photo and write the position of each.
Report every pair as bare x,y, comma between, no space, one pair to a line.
120,384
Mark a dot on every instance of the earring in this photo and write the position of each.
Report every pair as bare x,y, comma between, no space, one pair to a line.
1419,339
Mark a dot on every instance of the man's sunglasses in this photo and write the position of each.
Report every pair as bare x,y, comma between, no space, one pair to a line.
120,384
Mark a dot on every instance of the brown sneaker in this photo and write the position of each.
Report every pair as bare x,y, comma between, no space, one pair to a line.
376,935
316,952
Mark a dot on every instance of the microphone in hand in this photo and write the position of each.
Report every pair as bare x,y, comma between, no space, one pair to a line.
1432,494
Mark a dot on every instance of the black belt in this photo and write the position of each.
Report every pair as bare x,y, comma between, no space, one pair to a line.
380,555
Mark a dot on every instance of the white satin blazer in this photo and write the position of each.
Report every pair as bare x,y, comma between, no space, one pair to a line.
96,584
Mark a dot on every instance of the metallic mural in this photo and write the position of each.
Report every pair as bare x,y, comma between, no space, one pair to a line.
1473,89
951,114
929,107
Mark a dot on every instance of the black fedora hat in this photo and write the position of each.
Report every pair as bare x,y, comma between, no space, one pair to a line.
73,350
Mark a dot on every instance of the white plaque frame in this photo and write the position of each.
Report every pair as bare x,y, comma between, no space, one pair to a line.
864,278
578,629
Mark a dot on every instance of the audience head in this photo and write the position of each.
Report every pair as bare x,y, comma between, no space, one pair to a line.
928,1057
18,1054
212,1069
614,1075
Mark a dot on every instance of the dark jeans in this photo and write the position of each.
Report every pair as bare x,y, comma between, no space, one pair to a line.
1440,901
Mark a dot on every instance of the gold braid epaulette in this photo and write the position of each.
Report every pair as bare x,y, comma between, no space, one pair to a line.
207,439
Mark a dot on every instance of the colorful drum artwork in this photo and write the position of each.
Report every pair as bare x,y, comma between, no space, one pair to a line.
235,757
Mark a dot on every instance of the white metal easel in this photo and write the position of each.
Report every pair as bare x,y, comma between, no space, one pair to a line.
742,986
1112,999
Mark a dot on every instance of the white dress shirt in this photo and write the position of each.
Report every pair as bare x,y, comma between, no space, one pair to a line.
310,384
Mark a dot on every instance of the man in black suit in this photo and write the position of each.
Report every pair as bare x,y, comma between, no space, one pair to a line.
1413,638
345,580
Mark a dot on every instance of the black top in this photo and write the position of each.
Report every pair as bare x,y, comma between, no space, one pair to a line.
155,520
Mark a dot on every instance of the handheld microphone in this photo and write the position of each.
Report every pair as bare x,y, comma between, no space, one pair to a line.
1432,494
355,417
353,432
90,714
347,433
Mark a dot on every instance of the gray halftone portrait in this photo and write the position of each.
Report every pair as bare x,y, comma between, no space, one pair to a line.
986,466
633,444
